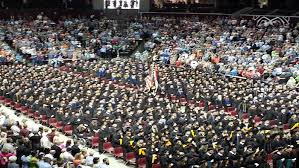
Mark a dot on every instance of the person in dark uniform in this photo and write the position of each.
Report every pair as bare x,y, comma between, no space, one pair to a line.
132,4
107,4
126,5
114,3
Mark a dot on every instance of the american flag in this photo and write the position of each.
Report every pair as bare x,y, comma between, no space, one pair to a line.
152,79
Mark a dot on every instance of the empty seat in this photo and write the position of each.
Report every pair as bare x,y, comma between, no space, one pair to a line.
59,125
156,166
68,129
229,109
36,116
119,152
286,126
30,113
8,102
107,147
2,98
245,116
183,101
191,102
257,119
233,113
273,123
212,107
44,119
95,141
130,158
173,98
24,109
52,122
201,104
17,106
141,163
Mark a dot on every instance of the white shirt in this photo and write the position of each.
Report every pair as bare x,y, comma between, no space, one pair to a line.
45,142
2,119
102,165
15,129
194,64
56,139
66,156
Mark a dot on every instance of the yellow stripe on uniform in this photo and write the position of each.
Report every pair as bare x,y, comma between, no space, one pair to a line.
193,133
295,126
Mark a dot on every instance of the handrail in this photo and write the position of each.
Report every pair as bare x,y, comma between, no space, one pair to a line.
215,14
184,13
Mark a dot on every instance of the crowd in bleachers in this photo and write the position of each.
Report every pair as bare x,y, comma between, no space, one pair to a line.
26,144
42,39
228,46
199,117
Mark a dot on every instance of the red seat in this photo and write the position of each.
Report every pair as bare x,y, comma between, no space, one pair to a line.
24,109
183,100
233,113
44,119
59,125
273,123
30,113
201,104
68,129
18,106
156,166
141,163
95,141
130,158
107,147
115,85
172,97
52,122
257,119
191,102
286,126
212,107
229,109
245,116
12,104
118,152
2,98
270,159
96,134
36,116
7,102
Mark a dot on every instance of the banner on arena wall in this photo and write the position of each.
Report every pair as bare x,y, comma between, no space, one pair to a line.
123,4
265,20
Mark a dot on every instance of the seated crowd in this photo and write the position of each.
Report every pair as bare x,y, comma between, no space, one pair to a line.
43,39
199,117
25,144
229,46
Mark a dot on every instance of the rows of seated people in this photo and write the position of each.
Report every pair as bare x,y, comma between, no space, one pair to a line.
111,113
43,39
198,117
29,4
273,55
236,47
26,144
182,6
